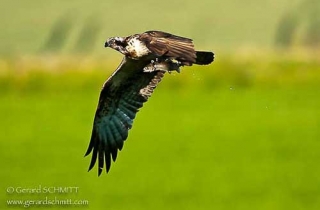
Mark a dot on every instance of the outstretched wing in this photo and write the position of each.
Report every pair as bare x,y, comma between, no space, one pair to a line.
120,99
165,44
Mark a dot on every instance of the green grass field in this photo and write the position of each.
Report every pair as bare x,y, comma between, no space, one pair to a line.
235,135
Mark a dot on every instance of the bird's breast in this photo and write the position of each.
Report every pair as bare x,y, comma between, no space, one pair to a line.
137,48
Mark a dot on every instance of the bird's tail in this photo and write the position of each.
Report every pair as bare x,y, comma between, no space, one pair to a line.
204,58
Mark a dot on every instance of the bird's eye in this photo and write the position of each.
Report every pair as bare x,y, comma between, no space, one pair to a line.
120,43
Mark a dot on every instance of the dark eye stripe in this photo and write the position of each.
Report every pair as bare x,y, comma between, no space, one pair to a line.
123,44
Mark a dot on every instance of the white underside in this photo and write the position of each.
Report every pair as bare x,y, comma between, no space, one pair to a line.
138,47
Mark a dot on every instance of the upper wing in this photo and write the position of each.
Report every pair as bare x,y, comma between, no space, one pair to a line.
161,43
121,97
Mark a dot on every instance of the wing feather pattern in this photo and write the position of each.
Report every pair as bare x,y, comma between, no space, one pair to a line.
165,44
120,99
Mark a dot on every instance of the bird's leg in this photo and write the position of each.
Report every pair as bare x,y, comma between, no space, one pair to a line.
174,65
153,66
163,65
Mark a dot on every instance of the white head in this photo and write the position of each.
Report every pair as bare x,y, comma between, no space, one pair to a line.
117,43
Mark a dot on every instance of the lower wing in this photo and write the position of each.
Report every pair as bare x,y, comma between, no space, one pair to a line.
120,99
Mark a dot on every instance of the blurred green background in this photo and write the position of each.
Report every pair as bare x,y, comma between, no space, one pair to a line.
242,133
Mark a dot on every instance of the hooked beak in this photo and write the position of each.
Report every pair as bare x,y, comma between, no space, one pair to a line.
107,44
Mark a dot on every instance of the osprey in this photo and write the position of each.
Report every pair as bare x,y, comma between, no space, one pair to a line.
147,57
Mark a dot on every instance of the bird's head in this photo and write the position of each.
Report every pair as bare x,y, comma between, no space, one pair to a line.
117,43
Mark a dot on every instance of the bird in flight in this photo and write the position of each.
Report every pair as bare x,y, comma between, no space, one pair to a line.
147,57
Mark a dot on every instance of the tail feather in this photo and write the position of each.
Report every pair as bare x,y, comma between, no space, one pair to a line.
204,58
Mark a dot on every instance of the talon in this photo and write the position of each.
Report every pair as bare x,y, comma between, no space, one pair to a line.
148,69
